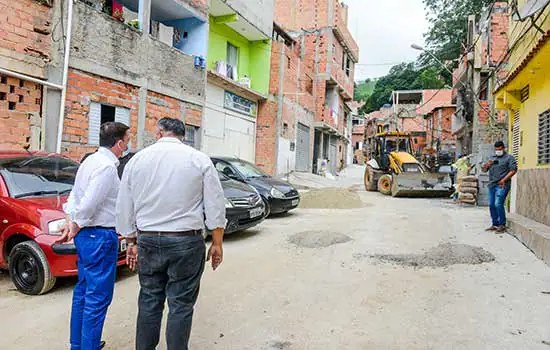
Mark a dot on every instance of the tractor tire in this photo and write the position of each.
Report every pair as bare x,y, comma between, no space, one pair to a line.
369,179
384,184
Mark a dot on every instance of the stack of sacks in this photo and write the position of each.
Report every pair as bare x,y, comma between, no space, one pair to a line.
468,189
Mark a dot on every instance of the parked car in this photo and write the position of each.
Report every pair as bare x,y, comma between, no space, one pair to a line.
278,196
33,189
243,205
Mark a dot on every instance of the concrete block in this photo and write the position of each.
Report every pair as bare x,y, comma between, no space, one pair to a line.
532,234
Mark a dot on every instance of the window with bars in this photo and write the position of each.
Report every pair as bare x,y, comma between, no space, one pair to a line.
544,138
191,136
516,135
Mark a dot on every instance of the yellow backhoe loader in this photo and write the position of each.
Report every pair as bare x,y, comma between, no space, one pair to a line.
391,168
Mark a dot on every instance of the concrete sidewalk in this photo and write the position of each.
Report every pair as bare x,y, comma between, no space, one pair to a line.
532,234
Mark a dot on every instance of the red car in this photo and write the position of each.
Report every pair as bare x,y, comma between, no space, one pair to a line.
33,189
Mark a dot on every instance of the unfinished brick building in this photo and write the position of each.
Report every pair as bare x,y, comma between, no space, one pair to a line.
319,46
128,61
25,45
476,121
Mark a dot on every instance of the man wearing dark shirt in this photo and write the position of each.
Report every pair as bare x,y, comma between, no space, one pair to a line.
502,167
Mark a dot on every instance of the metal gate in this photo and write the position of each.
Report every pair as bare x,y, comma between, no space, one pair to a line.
302,148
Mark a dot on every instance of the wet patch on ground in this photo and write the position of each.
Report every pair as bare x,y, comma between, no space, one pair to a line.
441,256
318,239
331,198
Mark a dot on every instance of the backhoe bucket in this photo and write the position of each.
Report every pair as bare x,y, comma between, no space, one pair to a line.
422,185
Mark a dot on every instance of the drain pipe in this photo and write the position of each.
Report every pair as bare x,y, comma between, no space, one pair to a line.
31,79
65,76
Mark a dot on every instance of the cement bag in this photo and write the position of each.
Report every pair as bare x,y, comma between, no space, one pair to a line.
472,202
470,190
466,196
469,178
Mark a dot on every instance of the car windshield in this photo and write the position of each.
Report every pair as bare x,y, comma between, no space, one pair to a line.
247,169
38,175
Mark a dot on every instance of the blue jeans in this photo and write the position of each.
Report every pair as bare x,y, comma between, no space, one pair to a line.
497,197
170,268
97,250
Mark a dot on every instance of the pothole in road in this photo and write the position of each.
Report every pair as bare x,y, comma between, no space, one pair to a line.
441,256
330,198
318,239
281,345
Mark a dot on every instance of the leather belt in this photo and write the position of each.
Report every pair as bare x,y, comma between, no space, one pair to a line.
174,234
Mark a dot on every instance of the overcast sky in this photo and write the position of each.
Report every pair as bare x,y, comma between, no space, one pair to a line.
384,30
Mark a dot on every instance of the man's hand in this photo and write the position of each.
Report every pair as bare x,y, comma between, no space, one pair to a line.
132,256
68,232
502,183
487,165
216,254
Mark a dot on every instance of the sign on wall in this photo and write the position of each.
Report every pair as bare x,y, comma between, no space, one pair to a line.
240,104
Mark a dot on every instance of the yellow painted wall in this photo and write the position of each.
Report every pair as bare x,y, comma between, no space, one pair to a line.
525,43
538,102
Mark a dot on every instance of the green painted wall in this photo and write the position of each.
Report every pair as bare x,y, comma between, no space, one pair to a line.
254,56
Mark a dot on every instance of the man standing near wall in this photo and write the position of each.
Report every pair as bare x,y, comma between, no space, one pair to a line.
91,212
502,167
167,190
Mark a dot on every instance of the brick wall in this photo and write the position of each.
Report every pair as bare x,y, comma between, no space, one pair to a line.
83,89
20,118
160,106
25,35
297,14
266,131
498,39
297,103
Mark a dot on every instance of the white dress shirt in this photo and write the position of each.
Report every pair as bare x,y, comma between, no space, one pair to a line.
169,187
92,201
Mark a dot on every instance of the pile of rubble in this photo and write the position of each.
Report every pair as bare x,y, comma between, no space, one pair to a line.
468,189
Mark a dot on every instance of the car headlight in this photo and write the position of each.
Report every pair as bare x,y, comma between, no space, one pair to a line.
228,204
54,227
275,193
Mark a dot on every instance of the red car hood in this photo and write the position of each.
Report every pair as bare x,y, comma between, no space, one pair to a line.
51,203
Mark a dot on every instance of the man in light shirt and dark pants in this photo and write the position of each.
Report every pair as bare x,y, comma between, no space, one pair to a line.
167,191
91,209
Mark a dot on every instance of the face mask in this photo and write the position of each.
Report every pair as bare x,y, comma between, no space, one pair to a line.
499,153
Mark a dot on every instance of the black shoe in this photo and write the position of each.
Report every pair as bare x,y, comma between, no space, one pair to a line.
102,344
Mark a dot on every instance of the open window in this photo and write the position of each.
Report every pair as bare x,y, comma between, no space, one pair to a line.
103,113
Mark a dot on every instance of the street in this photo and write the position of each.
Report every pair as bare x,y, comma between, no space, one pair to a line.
385,274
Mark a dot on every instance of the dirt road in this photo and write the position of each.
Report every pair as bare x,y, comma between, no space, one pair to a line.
392,274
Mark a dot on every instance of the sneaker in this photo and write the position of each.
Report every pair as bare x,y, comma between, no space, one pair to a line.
492,228
501,229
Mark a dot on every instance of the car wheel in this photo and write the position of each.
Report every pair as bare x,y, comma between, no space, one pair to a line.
29,269
267,211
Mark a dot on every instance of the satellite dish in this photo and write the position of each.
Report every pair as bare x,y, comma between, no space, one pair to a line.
529,9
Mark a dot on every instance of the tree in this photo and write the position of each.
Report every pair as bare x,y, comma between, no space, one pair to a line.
449,26
405,76
363,90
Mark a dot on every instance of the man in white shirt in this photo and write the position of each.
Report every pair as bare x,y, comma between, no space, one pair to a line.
167,191
91,210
